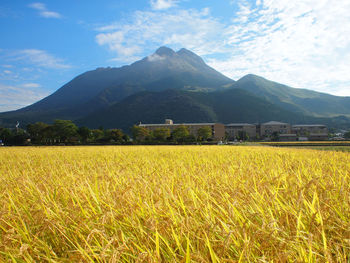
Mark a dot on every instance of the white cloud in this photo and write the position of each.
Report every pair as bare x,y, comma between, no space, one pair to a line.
155,57
43,11
6,65
31,85
146,31
15,97
19,84
37,57
38,6
50,14
107,28
304,44
162,4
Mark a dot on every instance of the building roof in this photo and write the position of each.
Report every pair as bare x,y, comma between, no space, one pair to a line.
309,125
275,123
239,124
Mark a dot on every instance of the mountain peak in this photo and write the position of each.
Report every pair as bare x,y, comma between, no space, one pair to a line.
184,51
189,55
165,51
250,77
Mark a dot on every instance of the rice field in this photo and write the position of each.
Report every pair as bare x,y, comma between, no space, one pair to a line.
174,204
307,143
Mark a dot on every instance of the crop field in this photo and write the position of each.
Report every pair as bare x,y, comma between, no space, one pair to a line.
174,204
331,148
308,143
342,146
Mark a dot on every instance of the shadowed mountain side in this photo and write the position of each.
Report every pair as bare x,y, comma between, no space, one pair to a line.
150,107
297,100
227,106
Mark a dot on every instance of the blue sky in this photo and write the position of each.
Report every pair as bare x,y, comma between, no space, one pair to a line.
44,44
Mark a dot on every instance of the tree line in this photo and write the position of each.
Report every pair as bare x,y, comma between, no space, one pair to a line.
180,135
59,133
65,132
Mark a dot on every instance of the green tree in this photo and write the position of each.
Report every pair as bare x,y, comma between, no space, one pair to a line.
347,135
139,133
20,137
97,135
190,138
204,133
13,137
161,134
115,135
180,133
242,135
37,132
126,138
275,136
6,135
50,136
65,130
84,133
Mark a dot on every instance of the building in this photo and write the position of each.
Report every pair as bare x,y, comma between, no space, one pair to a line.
318,137
287,137
217,129
240,131
313,132
307,129
270,128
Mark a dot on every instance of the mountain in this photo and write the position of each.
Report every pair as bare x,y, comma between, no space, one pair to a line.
233,105
181,86
100,88
303,101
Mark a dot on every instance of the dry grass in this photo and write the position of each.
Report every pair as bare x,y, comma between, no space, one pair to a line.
171,204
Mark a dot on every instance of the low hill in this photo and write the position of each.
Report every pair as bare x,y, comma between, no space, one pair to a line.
304,101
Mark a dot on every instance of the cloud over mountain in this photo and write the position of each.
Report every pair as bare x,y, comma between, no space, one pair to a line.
14,97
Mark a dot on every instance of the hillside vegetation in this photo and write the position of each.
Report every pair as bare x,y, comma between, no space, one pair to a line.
224,106
153,204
